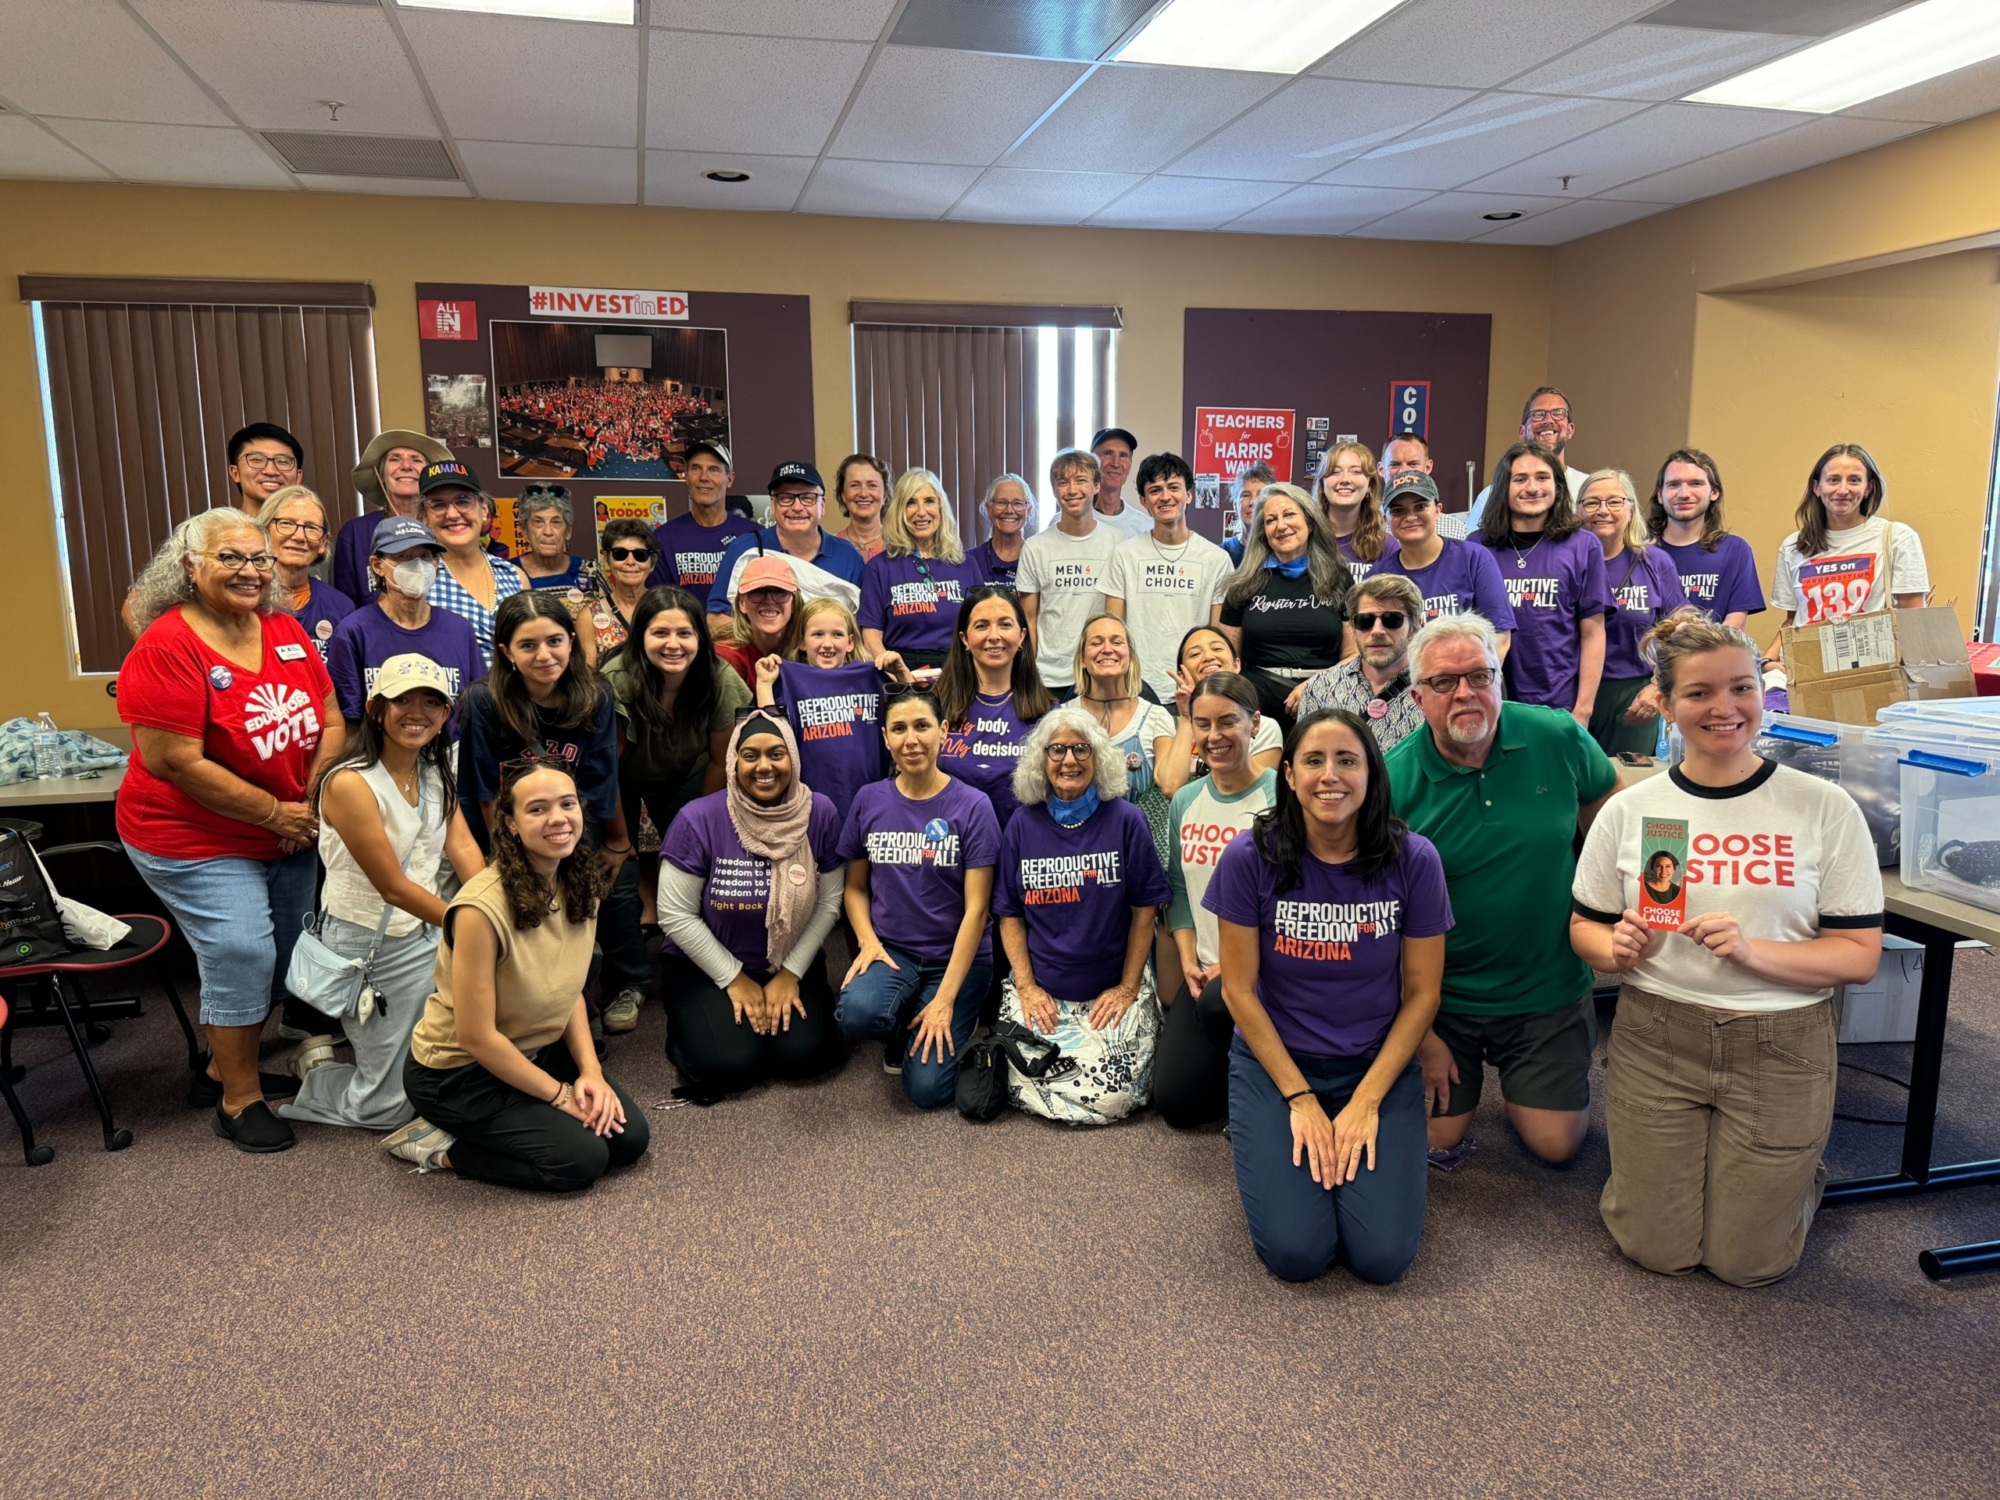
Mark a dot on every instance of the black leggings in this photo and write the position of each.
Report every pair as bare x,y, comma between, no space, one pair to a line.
505,1136
717,1055
1191,1065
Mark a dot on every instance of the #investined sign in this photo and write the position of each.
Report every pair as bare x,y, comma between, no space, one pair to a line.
607,302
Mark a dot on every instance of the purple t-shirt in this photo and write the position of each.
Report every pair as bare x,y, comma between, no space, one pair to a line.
1330,950
326,606
1552,587
1359,566
992,569
1463,580
736,884
1722,581
914,601
837,712
368,637
690,551
983,751
352,547
1644,587
918,853
1076,889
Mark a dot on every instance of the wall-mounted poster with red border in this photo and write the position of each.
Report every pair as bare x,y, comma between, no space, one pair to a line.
1410,407
454,321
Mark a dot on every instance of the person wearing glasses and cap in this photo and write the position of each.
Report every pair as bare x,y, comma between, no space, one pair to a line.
387,478
472,583
690,547
1114,449
403,564
1546,423
825,565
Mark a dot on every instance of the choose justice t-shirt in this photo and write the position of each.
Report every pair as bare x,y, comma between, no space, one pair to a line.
1552,587
918,853
1076,889
983,751
736,884
913,600
1330,950
689,552
1464,580
837,712
1645,587
1204,824
1722,581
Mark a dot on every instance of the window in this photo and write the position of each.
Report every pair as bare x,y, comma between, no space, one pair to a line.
974,391
142,383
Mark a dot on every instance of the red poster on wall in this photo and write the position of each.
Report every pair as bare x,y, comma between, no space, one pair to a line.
448,320
1230,439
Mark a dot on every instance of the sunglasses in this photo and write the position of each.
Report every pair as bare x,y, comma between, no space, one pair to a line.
1392,619
628,554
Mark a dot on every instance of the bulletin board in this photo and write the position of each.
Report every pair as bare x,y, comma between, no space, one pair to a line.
601,390
1335,373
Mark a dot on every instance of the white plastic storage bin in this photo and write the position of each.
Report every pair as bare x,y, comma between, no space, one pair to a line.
1951,815
1844,754
1885,1008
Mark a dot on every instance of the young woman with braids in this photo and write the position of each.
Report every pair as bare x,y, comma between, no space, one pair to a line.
502,1068
1331,918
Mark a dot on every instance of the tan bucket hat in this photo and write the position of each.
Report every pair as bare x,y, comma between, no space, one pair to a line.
368,473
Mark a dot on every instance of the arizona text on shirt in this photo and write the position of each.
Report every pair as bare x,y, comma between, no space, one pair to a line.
835,715
1323,930
1059,879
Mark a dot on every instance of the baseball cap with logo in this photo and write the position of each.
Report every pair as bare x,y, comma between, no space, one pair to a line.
795,473
767,572
1114,432
453,475
408,672
715,450
395,535
1414,482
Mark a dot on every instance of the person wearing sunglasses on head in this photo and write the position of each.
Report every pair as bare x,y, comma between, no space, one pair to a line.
912,588
824,565
1385,611
544,519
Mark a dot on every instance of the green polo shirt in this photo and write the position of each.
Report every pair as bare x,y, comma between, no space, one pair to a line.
1507,834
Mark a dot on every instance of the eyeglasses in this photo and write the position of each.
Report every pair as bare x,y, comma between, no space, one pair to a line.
1446,683
1020,505
1555,416
1592,507
312,531
470,504
236,562
805,501
257,463
553,491
1068,752
628,554
1392,619
520,765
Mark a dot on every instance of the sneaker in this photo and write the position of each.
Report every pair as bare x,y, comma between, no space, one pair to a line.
1449,1159
894,1047
313,1052
622,1014
421,1143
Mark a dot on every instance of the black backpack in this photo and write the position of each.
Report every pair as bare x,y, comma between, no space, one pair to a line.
31,929
982,1071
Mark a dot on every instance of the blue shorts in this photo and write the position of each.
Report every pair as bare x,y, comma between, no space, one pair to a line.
241,917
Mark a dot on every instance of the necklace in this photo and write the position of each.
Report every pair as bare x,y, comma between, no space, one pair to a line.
1161,552
1521,558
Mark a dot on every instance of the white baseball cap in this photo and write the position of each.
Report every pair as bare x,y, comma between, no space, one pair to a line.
401,674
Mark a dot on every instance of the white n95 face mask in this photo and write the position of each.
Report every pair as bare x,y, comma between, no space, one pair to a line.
414,578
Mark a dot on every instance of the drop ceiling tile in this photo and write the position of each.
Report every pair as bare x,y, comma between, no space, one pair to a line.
1571,222
1134,118
674,178
1491,132
1655,62
190,154
88,59
886,189
274,62
716,92
1455,216
949,108
1313,126
1186,203
551,174
1955,96
1032,197
1467,44
1793,150
1316,209
559,83
385,187
850,20
1666,135
27,150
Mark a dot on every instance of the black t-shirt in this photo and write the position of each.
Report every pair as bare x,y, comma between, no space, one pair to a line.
1287,625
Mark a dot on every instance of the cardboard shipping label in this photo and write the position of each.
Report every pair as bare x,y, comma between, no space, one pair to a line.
1859,641
1663,852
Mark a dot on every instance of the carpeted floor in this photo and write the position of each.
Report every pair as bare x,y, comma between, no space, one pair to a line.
813,1291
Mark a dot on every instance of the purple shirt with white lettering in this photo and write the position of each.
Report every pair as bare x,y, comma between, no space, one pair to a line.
736,884
914,600
1464,580
368,637
1644,588
326,607
1359,566
1552,588
984,750
1330,949
1722,581
837,712
689,551
918,853
1076,888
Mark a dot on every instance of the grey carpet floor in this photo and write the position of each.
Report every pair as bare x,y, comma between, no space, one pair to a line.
815,1291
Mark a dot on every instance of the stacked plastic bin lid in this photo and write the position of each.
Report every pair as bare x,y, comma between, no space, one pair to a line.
1948,753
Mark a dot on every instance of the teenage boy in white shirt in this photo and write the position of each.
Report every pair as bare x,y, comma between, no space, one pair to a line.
1168,581
1062,571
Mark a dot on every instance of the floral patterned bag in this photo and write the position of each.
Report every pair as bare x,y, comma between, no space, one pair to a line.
1113,1075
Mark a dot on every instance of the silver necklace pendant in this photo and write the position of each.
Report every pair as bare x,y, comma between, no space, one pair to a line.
1520,562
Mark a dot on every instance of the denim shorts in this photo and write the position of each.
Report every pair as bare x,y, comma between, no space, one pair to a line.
241,917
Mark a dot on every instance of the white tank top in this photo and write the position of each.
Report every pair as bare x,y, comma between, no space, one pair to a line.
416,834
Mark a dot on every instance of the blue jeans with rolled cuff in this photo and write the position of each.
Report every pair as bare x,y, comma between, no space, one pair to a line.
881,999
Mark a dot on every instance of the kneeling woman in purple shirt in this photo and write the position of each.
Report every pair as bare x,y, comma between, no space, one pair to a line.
1332,918
750,884
1077,892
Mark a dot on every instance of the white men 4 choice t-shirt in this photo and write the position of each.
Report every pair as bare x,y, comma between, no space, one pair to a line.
1168,590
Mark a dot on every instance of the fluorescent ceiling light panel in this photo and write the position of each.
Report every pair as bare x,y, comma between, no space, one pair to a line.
1252,36
1901,49
615,12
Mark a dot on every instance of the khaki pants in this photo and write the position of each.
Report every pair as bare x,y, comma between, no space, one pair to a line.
1716,1122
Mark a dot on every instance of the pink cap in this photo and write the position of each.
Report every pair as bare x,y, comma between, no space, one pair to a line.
767,573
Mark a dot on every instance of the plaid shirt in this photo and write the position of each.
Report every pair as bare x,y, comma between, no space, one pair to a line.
447,594
1344,687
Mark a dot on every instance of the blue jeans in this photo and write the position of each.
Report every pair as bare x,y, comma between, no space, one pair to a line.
627,965
241,917
881,999
1298,1227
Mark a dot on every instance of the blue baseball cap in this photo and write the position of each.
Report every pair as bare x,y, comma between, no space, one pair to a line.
395,535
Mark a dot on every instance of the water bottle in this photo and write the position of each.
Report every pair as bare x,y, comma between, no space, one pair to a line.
48,749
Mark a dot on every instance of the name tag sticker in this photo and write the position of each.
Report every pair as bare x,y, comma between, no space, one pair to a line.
291,653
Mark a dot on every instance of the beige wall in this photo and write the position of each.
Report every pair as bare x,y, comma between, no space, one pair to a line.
394,243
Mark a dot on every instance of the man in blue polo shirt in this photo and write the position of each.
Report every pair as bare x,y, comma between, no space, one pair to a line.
824,564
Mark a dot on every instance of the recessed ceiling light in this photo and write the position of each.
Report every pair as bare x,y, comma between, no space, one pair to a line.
1903,48
614,12
721,175
1251,36
1503,215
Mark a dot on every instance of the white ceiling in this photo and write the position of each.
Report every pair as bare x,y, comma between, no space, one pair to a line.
1445,111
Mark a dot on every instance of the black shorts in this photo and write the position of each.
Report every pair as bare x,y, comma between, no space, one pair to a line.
1543,1056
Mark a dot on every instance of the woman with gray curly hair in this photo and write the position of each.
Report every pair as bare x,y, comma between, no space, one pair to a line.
543,520
233,718
1077,891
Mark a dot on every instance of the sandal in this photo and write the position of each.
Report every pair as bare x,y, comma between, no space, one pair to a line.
313,1052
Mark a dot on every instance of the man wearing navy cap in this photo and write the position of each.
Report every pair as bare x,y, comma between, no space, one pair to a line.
403,560
689,548
825,565
1113,448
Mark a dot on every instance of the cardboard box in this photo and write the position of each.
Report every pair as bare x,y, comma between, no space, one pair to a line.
1845,670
